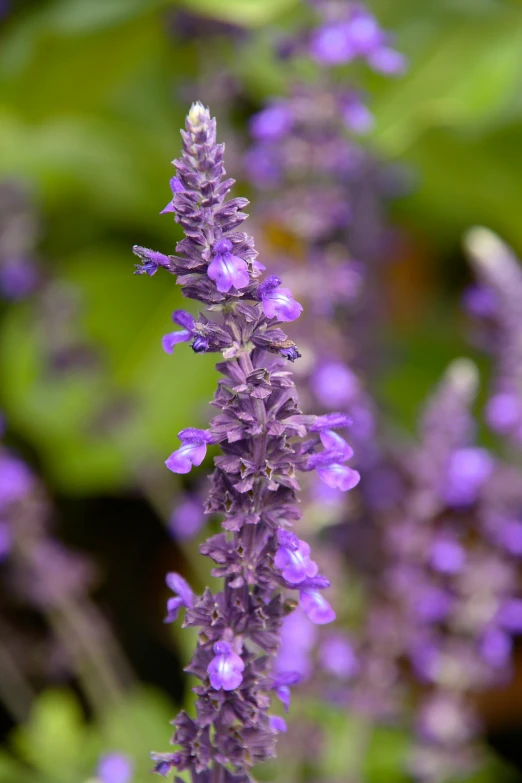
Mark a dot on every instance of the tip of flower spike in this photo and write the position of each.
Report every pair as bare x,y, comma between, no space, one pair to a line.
463,375
198,114
484,246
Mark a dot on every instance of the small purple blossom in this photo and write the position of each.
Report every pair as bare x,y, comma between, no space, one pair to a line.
293,558
185,320
187,518
468,469
503,412
315,606
164,763
184,596
278,302
150,260
338,657
191,453
338,476
510,615
16,480
272,123
331,44
226,668
115,768
447,555
356,115
226,270
277,723
496,647
334,384
176,187
387,61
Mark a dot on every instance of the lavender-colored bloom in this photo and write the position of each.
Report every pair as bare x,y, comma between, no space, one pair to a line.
331,44
495,648
293,558
510,615
164,763
15,480
467,471
510,536
191,453
18,278
334,384
503,412
277,723
264,439
227,271
278,302
387,61
187,518
115,768
226,668
272,123
447,555
298,636
176,187
150,260
184,335
338,657
184,596
357,117
315,606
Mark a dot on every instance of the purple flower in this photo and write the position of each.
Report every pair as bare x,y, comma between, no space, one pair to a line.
365,35
282,682
338,657
467,471
16,480
151,261
298,637
187,518
115,768
333,442
176,187
334,384
496,648
447,555
510,615
192,452
277,723
165,762
356,115
272,123
331,44
226,270
432,604
184,596
503,412
293,558
18,278
510,536
315,606
338,476
278,302
226,668
184,319
388,61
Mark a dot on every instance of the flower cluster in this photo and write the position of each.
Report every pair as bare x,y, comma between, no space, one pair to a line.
264,439
500,281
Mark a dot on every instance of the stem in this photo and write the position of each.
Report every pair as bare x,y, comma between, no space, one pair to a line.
15,691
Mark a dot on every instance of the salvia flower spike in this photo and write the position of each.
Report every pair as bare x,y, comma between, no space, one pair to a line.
264,440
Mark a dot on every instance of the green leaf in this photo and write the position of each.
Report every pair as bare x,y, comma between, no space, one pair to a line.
252,13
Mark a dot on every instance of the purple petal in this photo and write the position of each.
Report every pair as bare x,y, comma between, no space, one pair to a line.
228,271
189,454
332,441
339,477
225,671
181,587
168,341
115,768
316,607
277,723
280,303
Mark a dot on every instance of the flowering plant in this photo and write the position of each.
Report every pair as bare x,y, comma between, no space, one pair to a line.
264,439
